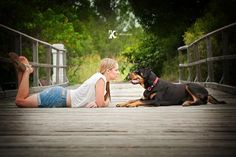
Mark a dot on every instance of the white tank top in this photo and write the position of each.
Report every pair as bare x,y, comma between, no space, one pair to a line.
85,93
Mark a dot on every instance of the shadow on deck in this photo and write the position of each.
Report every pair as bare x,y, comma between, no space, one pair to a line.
206,130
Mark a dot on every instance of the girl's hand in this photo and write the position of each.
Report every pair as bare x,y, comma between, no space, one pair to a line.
91,105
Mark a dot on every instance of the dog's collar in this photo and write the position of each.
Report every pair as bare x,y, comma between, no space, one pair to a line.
153,85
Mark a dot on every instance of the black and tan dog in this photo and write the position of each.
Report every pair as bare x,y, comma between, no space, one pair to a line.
161,93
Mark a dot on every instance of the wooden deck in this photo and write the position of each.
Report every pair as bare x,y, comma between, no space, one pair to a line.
206,130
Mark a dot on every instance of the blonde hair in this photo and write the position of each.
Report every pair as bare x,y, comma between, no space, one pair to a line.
107,64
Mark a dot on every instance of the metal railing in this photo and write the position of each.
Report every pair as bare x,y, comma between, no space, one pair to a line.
40,56
211,60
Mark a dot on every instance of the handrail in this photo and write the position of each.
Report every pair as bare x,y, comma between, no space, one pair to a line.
208,60
32,38
37,46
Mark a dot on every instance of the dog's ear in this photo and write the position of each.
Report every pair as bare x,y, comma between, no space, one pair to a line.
145,72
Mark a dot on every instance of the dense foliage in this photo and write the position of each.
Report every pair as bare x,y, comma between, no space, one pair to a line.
218,14
152,29
82,26
165,23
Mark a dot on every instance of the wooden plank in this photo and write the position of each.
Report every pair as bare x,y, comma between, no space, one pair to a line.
206,130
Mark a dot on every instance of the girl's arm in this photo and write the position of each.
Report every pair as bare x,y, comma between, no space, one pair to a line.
100,87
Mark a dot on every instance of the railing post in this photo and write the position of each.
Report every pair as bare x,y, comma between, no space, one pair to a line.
57,68
225,77
181,61
180,68
189,59
64,64
48,69
58,53
210,70
197,57
35,60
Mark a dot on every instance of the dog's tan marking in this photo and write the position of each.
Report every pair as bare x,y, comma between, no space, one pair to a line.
135,104
152,95
134,76
188,102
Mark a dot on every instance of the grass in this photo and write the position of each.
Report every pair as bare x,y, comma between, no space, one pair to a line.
171,70
88,65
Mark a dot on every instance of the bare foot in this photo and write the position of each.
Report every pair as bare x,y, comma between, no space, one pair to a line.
16,61
23,60
29,69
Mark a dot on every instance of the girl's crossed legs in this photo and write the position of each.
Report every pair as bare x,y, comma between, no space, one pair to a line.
51,97
23,99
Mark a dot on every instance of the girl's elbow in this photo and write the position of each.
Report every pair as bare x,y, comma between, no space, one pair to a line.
100,104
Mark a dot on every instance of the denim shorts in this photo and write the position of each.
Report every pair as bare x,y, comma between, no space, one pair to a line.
52,97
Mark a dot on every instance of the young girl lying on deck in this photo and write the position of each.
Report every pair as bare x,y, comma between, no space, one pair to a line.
94,92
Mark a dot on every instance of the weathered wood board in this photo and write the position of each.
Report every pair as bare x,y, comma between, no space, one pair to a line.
206,130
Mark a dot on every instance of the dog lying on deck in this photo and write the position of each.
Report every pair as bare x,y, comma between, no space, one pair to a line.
162,93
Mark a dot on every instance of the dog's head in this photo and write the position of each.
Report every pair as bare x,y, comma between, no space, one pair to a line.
142,76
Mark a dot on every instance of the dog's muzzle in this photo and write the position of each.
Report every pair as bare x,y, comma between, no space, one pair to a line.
134,79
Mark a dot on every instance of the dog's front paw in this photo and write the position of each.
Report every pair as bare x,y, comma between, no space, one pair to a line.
118,105
186,103
121,105
131,105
